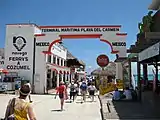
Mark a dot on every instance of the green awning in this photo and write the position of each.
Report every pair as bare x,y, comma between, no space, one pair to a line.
132,55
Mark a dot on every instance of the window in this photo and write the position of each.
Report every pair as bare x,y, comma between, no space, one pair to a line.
61,62
49,58
57,61
54,60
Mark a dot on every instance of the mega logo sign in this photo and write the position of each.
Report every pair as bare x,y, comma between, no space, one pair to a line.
102,60
19,55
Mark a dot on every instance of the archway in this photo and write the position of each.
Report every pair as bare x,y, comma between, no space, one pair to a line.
111,35
28,59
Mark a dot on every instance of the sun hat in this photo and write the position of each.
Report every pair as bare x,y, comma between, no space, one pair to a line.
25,89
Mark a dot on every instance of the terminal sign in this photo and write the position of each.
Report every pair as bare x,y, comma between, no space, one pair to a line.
102,60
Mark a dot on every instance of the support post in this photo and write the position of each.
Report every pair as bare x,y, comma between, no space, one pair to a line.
145,74
156,75
33,73
139,81
130,71
58,80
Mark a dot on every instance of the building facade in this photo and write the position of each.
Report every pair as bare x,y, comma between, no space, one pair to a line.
23,54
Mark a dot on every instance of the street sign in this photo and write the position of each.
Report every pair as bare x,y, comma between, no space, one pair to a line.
102,60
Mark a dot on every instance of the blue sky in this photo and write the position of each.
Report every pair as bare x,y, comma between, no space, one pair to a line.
77,12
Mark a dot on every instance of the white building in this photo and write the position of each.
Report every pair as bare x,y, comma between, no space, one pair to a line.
23,54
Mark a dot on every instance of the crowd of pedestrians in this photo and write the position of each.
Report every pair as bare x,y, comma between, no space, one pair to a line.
74,89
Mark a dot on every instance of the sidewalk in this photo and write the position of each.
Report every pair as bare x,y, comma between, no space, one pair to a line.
149,108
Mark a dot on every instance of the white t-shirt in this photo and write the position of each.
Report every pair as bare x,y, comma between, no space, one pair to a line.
116,95
92,87
128,94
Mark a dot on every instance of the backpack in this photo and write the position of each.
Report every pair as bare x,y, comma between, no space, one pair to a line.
9,115
83,87
72,88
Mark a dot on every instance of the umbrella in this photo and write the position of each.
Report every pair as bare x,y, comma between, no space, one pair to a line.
3,71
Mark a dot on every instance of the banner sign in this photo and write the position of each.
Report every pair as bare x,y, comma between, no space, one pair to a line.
87,29
109,87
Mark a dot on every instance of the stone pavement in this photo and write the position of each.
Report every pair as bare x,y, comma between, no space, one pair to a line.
47,108
149,108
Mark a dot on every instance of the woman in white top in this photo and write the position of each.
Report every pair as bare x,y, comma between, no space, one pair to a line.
92,90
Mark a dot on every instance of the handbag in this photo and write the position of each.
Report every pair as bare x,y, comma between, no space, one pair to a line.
10,111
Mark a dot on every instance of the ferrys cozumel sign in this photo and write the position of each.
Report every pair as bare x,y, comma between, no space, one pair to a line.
109,34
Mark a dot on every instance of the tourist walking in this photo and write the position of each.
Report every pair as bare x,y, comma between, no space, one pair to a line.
29,96
61,91
72,91
83,88
77,89
18,108
92,90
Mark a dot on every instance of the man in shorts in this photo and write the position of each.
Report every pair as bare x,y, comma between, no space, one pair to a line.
83,88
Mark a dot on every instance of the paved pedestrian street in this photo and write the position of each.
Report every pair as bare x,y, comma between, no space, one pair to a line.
47,108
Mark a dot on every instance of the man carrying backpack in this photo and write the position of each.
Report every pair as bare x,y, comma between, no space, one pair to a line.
72,90
83,88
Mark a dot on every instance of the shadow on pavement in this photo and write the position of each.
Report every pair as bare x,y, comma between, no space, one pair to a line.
79,102
148,108
56,110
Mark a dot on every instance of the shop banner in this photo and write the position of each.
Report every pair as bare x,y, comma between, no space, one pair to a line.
109,87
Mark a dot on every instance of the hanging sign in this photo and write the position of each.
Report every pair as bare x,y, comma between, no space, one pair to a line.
102,60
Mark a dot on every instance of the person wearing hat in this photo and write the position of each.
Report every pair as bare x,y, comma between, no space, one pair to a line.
22,108
29,96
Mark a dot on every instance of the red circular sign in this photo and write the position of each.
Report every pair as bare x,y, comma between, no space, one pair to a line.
102,60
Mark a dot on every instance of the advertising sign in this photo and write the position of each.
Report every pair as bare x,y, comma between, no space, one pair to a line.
102,60
149,52
109,87
19,55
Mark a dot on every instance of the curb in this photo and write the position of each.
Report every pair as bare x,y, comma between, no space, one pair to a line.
101,110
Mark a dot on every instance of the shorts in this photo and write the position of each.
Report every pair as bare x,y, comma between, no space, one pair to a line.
91,92
72,93
83,92
61,95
